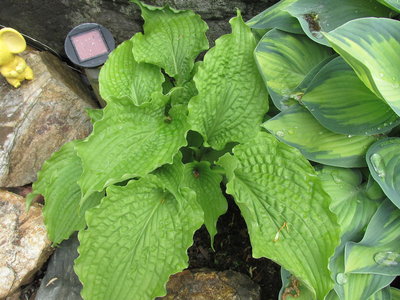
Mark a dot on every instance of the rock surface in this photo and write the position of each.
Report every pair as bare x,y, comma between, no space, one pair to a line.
39,117
211,285
60,281
24,245
121,17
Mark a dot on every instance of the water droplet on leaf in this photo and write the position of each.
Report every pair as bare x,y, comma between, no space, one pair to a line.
378,164
280,133
341,278
387,258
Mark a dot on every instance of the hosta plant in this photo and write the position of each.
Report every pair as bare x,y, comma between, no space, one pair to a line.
304,80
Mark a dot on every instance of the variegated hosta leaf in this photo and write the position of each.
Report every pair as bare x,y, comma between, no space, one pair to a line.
172,39
199,177
232,98
326,15
383,160
276,17
378,252
122,79
372,46
135,240
354,207
57,182
130,141
392,4
297,127
280,59
339,100
285,208
383,294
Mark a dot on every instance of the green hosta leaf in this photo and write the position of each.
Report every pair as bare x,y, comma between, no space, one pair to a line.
383,294
280,59
374,57
182,95
57,182
395,293
316,16
135,240
131,141
94,114
122,79
232,99
392,4
206,183
378,252
297,127
352,203
350,109
383,160
172,39
276,17
285,208
292,288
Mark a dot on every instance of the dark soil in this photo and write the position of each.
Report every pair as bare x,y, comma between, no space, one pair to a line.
233,252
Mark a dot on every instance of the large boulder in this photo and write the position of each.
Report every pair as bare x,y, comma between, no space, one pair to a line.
24,245
50,21
39,117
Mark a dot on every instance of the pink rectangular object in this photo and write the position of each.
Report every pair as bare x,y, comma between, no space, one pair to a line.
89,44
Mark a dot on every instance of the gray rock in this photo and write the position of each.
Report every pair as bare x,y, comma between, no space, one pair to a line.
60,281
24,246
39,117
206,284
50,21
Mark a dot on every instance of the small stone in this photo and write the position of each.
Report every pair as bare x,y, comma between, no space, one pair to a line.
206,284
24,245
39,117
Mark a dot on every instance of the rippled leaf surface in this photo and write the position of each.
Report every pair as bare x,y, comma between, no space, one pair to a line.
57,182
339,100
130,141
378,252
297,127
172,39
122,79
316,16
135,240
232,99
276,17
383,160
371,46
285,209
280,59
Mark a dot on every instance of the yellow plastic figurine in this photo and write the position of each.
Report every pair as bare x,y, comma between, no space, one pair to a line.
13,67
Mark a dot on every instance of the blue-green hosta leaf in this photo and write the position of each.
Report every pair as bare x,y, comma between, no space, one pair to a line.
297,127
199,177
354,207
232,99
339,100
285,208
122,79
57,182
130,141
383,294
316,16
172,39
378,252
280,59
392,4
292,288
276,17
135,240
383,159
372,46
